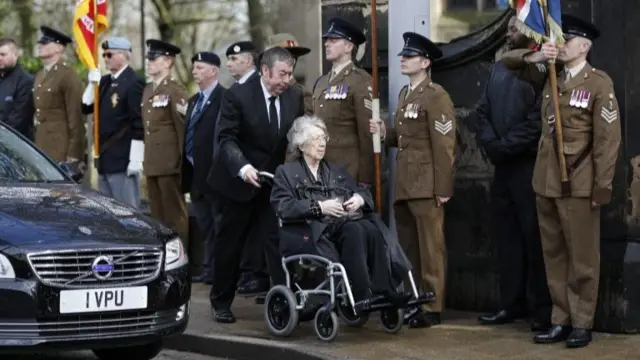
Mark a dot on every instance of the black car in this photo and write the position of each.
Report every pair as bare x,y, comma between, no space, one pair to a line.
79,270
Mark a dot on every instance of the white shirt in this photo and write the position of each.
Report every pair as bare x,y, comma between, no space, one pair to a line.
267,95
246,76
115,76
575,70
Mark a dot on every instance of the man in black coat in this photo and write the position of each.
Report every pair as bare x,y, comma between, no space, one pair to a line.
508,131
254,121
120,128
16,90
202,113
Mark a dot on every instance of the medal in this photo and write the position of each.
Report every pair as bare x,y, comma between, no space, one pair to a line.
585,100
114,100
574,96
550,121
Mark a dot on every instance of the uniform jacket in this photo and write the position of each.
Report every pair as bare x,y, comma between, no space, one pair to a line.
242,129
308,97
194,176
16,100
508,127
425,135
119,108
163,111
60,126
590,130
344,103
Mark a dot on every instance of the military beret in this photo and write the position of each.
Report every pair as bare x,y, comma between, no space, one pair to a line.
207,57
240,47
51,35
116,43
342,29
418,45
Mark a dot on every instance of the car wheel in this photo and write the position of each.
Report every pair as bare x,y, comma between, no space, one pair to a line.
140,352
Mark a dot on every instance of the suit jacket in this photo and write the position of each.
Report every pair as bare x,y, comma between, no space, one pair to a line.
194,176
119,108
244,121
16,100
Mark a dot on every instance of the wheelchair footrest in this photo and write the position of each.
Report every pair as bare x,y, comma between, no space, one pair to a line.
380,302
422,299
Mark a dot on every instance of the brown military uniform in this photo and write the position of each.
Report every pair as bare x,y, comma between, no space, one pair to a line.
308,97
425,135
344,103
163,114
60,129
570,226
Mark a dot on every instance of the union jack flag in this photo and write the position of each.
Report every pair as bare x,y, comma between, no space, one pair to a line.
531,19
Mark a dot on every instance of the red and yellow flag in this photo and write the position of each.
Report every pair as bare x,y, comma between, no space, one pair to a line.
83,29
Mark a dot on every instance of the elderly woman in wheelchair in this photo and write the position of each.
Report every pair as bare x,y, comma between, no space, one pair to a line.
327,221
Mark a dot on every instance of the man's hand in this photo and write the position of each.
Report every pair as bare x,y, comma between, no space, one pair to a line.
94,76
549,51
354,203
88,95
134,168
332,208
377,125
250,176
442,200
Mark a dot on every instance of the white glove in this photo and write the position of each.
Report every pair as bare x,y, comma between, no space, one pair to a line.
88,94
94,76
136,156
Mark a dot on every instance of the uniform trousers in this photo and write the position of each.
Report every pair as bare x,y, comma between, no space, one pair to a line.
167,204
570,234
420,233
121,187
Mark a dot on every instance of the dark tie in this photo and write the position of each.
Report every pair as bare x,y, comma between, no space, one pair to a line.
273,116
188,143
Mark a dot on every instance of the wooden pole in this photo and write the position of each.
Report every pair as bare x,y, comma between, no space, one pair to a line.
375,108
96,95
565,183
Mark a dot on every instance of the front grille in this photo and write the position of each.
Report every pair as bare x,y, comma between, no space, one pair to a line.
67,327
73,269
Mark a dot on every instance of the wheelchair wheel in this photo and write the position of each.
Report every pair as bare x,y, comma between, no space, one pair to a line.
392,320
326,325
345,311
280,312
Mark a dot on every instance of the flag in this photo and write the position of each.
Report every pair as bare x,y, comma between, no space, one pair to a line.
84,26
531,19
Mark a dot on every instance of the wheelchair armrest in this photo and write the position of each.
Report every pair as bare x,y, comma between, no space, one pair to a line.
292,222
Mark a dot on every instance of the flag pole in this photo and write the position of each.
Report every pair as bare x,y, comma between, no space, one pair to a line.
565,183
375,109
96,95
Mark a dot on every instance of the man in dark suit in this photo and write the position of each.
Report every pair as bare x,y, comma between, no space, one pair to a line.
254,121
202,113
121,131
241,61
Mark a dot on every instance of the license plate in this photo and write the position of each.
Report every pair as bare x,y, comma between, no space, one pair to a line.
99,300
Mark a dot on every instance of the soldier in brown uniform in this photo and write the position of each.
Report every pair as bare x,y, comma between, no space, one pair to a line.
570,224
57,94
164,105
342,98
424,134
290,43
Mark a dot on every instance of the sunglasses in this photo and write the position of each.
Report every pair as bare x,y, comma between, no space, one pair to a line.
107,55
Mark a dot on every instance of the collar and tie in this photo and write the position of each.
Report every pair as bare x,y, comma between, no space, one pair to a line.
197,110
567,76
273,116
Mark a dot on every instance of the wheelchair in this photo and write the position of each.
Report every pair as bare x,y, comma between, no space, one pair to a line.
288,305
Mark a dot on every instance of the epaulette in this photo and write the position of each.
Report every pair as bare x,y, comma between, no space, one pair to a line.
601,74
360,71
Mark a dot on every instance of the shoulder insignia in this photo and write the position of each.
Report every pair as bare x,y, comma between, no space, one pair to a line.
541,68
609,115
444,125
181,106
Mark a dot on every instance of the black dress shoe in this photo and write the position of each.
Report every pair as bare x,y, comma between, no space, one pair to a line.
540,326
254,286
202,279
555,334
499,318
424,319
224,316
579,338
244,279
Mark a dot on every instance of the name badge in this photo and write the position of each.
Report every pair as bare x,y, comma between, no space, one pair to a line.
412,111
160,100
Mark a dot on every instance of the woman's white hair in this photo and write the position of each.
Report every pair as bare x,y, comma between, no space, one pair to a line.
300,132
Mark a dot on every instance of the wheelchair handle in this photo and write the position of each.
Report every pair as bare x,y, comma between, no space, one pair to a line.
265,174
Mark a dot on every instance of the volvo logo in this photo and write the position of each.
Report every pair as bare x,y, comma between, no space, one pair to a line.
85,230
102,267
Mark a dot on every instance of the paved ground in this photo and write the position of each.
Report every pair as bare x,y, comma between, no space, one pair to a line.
459,337
87,355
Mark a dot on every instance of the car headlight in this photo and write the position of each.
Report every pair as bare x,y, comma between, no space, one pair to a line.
6,269
176,256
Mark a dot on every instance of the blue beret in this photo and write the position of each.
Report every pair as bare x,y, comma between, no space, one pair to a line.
117,43
207,57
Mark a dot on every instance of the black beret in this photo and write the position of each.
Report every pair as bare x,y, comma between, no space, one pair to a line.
207,57
240,47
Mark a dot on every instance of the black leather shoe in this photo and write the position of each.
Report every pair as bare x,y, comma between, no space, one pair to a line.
424,319
499,318
202,279
579,338
254,286
540,326
555,334
224,316
410,312
245,277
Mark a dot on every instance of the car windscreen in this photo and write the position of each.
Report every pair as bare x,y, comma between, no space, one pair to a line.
20,162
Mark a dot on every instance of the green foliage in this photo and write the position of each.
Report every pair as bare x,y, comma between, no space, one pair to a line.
33,64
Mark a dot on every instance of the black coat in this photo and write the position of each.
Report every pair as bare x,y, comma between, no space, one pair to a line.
194,177
120,106
243,137
16,100
508,126
303,232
